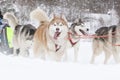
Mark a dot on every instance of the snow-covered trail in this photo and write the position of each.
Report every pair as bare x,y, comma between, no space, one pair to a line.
38,70
21,68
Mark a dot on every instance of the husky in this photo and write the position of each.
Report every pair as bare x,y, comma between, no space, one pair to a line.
107,41
22,36
76,30
50,38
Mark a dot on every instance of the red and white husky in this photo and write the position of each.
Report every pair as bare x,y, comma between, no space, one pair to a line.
51,37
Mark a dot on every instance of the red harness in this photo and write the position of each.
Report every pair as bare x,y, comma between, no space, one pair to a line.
70,39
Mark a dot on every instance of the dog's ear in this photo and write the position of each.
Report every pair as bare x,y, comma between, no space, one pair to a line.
62,16
76,21
80,21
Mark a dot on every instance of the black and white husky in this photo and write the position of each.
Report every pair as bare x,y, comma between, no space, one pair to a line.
23,35
76,30
107,41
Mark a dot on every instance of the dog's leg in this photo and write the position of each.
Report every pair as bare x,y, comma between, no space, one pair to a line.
58,58
108,52
97,49
36,49
76,50
94,51
65,56
15,51
43,55
107,56
39,52
24,52
116,57
93,58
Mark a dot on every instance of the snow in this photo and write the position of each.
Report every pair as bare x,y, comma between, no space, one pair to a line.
111,18
29,68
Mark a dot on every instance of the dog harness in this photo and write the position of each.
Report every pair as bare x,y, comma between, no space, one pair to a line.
57,47
70,39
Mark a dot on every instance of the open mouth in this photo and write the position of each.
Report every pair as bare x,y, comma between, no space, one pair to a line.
56,35
83,32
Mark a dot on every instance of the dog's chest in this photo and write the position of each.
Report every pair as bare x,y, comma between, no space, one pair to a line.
56,45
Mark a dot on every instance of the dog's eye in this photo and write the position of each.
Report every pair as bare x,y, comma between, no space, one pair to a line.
61,24
54,24
82,25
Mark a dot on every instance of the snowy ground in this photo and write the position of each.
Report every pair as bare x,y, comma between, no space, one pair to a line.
20,68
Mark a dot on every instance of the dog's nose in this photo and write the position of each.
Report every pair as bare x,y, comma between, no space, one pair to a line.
57,29
87,29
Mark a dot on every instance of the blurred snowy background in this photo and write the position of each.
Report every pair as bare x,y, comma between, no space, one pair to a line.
71,8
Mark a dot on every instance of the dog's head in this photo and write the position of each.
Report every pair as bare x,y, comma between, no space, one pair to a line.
58,28
79,28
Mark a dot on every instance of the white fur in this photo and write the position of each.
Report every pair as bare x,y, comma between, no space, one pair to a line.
39,15
12,20
62,29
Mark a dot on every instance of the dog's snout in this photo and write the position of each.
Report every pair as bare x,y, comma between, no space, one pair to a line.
57,29
87,29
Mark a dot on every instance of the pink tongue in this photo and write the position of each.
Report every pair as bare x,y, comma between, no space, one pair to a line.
56,35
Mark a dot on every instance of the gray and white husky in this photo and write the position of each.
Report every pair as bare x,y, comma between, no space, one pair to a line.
22,36
107,42
76,30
